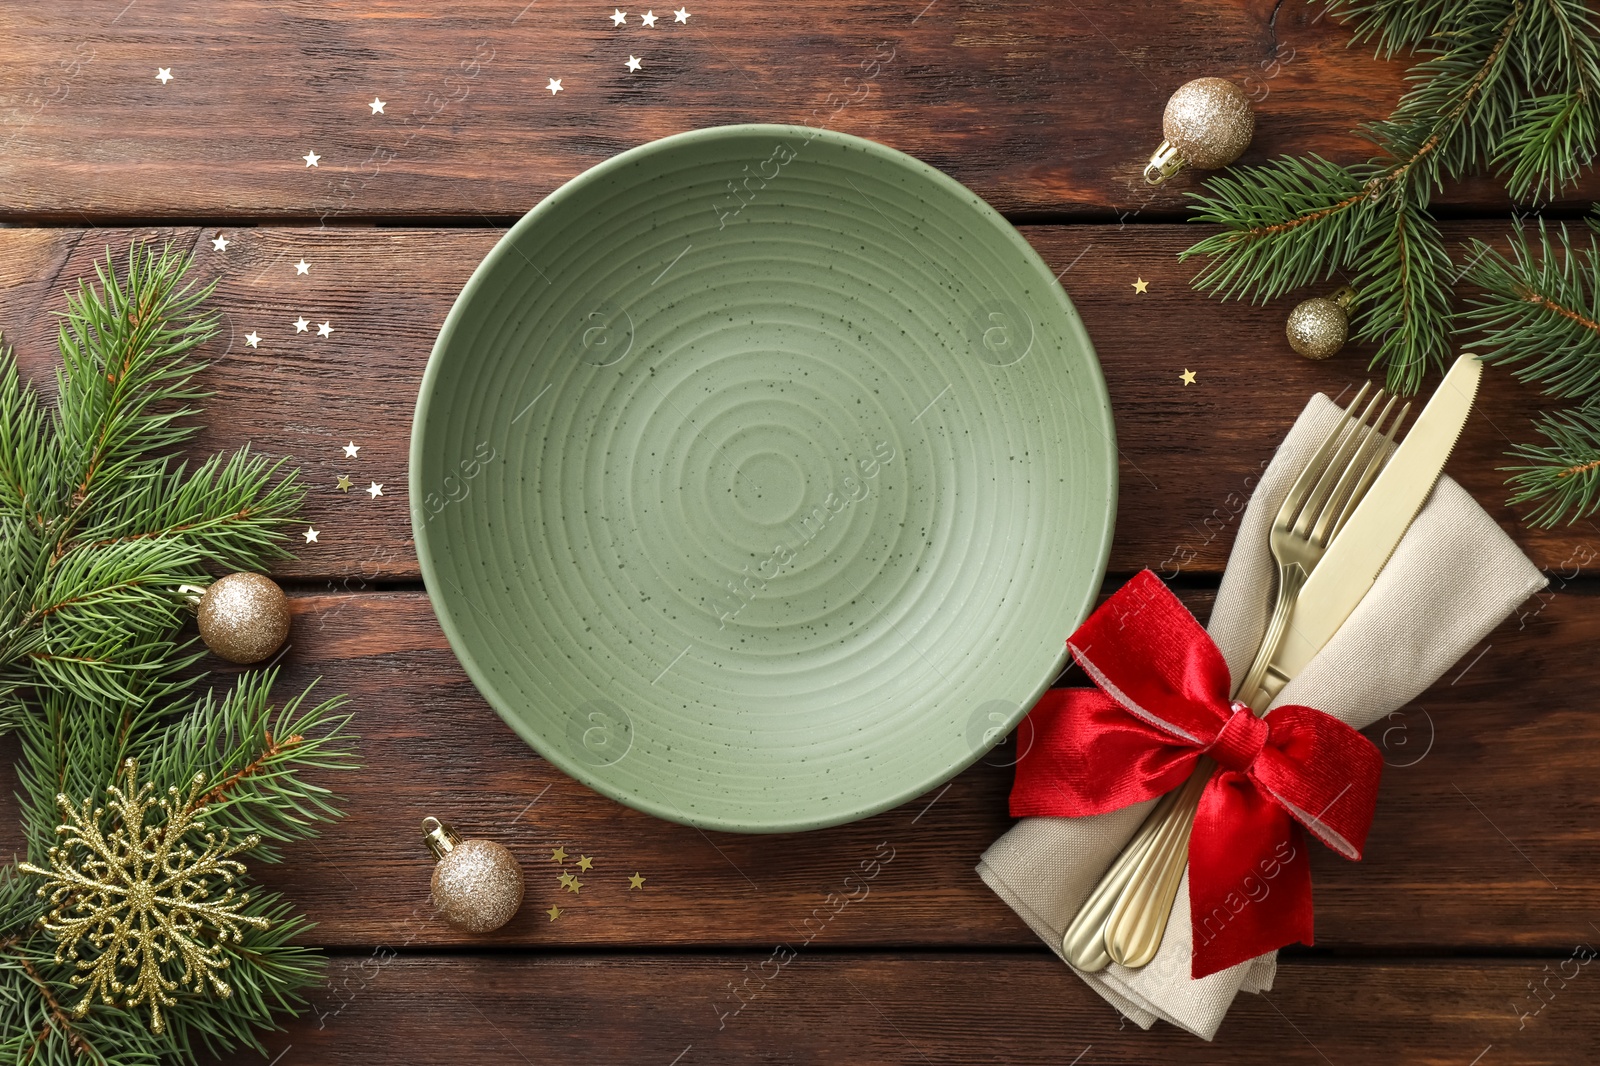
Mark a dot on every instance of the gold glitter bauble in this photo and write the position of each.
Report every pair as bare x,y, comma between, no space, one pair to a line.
244,617
477,884
1317,328
1210,122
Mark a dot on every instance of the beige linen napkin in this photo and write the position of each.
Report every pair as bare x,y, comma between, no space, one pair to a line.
1453,578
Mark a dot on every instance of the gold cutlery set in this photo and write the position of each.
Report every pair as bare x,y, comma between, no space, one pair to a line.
1341,520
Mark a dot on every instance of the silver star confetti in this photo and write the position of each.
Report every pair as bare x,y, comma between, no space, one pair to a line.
325,330
351,449
252,338
310,534
681,15
163,74
375,490
649,18
302,267
632,63
300,324
554,86
376,105
311,158
618,17
220,243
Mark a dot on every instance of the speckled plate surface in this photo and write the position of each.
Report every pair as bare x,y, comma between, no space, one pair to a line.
758,476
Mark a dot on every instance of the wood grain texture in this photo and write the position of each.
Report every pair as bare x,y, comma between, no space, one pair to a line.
1189,455
1039,107
675,1010
1486,835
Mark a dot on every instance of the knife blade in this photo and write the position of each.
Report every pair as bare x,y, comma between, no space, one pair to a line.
1374,530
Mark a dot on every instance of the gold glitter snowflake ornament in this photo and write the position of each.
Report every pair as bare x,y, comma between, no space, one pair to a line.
138,898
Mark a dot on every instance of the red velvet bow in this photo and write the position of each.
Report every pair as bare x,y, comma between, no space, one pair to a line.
1163,702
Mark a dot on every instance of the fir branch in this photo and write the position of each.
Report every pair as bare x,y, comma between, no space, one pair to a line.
1561,475
1539,310
1406,305
1396,25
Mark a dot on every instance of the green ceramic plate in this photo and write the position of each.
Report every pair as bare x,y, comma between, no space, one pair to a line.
758,476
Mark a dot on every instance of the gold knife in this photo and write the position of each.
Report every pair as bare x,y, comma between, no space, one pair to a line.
1373,532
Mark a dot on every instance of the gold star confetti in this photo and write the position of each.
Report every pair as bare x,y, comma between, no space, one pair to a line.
344,483
584,862
1187,376
635,882
558,855
1140,285
554,913
573,884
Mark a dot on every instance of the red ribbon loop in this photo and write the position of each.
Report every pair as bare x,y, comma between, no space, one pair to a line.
1162,702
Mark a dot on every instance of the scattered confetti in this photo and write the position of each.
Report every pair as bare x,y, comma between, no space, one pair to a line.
649,18
311,158
554,913
681,15
325,330
375,490
252,338
558,855
220,243
1140,285
301,323
584,862
554,86
1187,376
343,484
632,63
310,535
564,880
376,105
635,882
351,449
302,267
618,17
573,885
163,74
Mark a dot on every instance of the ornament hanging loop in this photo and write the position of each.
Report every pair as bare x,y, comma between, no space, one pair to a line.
1163,164
191,593
1344,296
440,838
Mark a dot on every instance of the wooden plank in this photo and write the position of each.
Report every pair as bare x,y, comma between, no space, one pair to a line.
1489,793
1040,108
1188,454
677,1010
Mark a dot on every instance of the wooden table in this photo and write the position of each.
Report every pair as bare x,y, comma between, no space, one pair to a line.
1444,946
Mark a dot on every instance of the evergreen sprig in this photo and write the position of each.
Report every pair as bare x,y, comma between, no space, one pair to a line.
101,523
1508,85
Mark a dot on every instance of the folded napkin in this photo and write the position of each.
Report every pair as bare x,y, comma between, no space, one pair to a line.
1452,579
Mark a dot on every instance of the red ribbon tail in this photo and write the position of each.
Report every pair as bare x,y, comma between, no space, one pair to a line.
1249,877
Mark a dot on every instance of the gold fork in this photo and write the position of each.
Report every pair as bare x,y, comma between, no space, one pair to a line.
1125,916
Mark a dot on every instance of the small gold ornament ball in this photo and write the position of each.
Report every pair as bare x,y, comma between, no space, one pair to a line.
1210,122
477,884
244,617
1317,327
